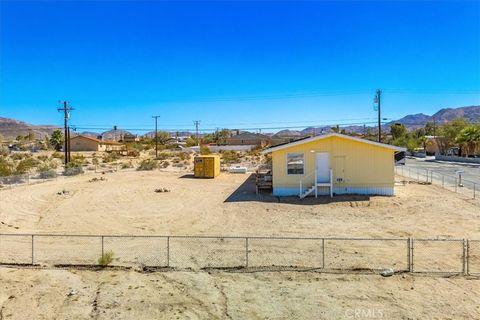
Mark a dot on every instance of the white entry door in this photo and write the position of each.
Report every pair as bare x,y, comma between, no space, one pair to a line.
323,167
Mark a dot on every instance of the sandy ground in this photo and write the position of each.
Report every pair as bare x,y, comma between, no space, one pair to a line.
126,204
225,295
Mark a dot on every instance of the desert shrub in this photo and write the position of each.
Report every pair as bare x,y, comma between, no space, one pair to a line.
19,156
47,174
133,153
3,151
106,258
184,155
7,168
205,150
73,169
127,165
79,158
46,170
58,155
229,156
95,160
110,157
25,165
255,151
165,164
163,156
42,157
147,165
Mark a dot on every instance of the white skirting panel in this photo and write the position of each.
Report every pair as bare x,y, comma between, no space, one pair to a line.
380,191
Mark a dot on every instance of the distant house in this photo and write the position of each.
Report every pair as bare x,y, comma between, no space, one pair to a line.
248,138
128,137
85,143
333,164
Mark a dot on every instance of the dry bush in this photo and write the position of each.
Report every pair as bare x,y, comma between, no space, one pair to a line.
73,169
58,155
127,165
183,155
109,157
42,157
163,156
229,157
165,164
106,258
147,165
205,150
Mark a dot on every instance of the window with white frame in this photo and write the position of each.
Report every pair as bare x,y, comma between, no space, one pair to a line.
295,163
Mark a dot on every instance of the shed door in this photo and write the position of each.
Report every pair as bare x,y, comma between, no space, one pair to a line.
323,167
208,167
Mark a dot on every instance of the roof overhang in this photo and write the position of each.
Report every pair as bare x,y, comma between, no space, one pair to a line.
326,136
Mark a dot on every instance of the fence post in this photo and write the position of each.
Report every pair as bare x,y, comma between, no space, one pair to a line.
408,254
323,253
411,269
455,183
468,257
168,252
464,258
33,249
246,252
103,246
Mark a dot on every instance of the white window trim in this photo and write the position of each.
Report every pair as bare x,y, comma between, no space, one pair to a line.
286,164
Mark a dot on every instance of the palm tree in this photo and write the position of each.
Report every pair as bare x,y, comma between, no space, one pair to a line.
469,137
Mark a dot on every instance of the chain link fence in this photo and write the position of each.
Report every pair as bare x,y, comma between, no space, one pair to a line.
455,183
449,256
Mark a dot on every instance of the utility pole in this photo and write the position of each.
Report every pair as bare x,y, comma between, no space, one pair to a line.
197,123
66,115
156,135
434,128
377,100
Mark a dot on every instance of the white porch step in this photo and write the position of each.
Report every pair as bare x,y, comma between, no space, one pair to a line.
307,192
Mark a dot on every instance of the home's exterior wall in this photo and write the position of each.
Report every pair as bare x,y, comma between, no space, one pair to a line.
83,144
111,147
369,169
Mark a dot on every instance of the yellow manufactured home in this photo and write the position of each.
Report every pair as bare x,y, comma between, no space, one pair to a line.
333,164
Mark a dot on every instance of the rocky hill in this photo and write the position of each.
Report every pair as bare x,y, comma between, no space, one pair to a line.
10,129
471,113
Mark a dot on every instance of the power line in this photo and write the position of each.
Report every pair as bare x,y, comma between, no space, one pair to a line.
239,128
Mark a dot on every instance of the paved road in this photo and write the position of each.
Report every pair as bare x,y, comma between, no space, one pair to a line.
470,171
443,172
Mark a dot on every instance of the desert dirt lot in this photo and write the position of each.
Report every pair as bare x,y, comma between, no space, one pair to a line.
126,204
232,295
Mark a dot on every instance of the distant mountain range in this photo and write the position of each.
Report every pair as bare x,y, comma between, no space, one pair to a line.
10,128
411,121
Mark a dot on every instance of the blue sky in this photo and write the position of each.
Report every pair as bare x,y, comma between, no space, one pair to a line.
258,63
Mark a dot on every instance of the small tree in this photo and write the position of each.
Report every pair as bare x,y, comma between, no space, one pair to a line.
57,140
398,130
